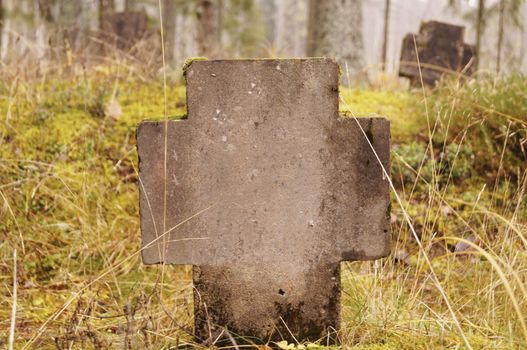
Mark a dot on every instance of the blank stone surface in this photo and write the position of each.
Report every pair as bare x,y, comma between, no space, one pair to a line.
267,191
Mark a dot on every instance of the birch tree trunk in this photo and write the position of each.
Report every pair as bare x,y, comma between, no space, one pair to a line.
335,30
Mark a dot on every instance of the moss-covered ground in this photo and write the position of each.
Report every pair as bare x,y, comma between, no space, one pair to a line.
69,206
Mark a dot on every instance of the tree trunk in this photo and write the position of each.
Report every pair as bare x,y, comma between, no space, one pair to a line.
312,28
479,31
1,25
70,21
39,22
269,12
386,34
290,28
500,34
7,5
169,29
219,31
206,13
335,30
45,14
106,7
522,42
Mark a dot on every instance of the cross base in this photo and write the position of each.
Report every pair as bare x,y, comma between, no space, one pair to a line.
267,303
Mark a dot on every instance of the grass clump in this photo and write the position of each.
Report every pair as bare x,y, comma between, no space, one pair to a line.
461,176
488,115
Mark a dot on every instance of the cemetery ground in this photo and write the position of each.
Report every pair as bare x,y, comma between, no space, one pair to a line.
69,206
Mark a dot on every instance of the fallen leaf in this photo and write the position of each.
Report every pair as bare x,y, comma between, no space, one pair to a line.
113,109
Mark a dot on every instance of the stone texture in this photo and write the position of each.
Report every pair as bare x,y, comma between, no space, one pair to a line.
124,29
284,189
440,48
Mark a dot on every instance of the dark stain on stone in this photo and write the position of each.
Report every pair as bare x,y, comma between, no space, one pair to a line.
319,315
369,132
297,323
204,324
352,255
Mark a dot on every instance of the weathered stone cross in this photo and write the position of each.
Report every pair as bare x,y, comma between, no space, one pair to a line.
441,48
284,188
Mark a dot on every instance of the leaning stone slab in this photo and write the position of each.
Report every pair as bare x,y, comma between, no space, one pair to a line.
266,190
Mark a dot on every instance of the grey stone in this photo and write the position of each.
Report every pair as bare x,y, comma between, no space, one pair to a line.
440,48
267,191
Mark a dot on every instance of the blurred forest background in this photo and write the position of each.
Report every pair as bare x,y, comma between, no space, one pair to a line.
367,34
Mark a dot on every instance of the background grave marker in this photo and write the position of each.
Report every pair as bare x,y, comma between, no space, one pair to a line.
440,47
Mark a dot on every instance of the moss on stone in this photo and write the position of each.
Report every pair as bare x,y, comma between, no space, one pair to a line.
189,61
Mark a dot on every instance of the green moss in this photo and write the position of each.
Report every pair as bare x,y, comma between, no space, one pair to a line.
67,127
189,61
401,108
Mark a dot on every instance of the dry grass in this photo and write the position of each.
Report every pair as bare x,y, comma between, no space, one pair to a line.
69,206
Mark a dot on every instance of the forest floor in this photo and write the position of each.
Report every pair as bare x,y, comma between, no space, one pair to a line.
69,206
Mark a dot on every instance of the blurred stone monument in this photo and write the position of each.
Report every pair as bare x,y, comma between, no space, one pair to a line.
265,189
441,49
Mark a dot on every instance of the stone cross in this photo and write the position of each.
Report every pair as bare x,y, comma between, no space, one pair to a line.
441,48
266,191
